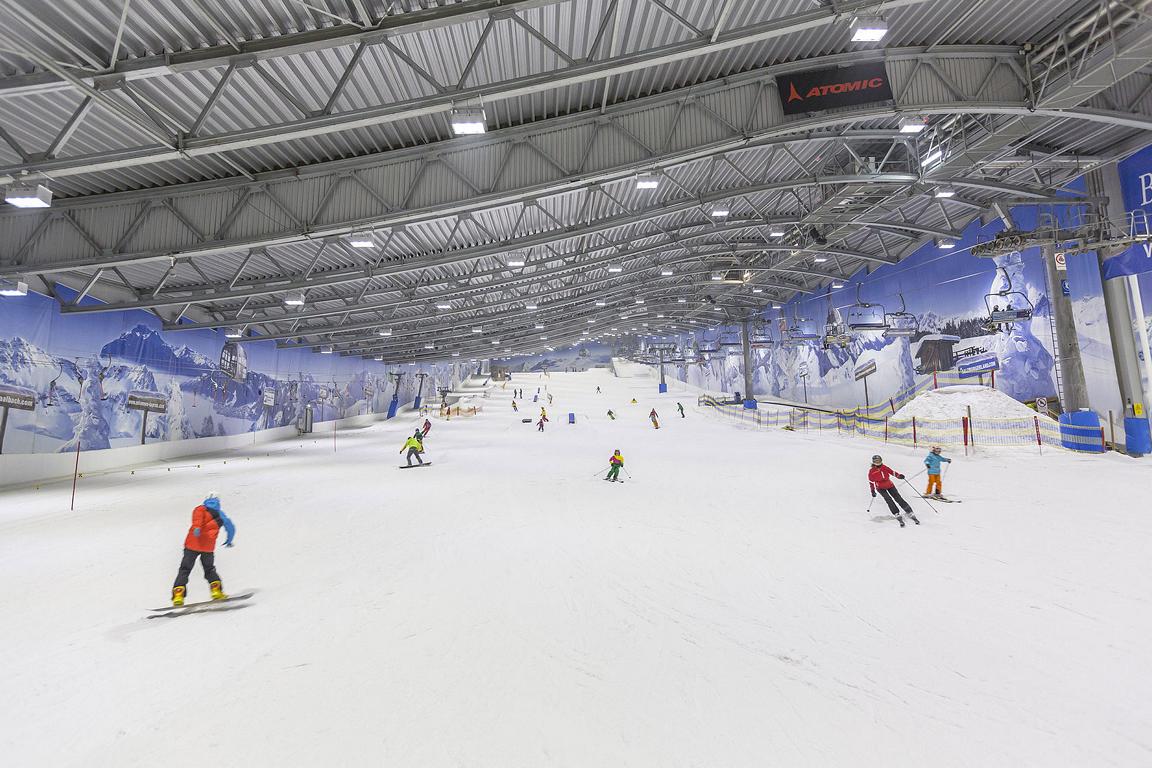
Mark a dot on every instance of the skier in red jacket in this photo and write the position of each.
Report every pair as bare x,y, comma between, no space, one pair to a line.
880,479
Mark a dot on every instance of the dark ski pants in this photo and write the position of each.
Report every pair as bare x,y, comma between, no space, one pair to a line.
207,559
893,497
413,452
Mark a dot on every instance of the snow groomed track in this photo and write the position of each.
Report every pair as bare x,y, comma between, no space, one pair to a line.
730,604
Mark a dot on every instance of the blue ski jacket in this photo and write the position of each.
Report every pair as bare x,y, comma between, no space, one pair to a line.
932,461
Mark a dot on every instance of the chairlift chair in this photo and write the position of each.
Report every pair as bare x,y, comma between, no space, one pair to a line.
902,323
863,316
708,345
802,329
730,339
759,336
1008,313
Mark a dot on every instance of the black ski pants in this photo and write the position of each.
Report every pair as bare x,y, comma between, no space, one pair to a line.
207,559
893,497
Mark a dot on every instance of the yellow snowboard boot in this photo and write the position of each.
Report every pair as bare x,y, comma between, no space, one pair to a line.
217,591
178,595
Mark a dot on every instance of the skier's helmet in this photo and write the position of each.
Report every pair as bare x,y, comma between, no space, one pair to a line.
936,449
877,459
212,502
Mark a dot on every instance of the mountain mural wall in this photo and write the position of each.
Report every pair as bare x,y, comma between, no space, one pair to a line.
82,369
945,298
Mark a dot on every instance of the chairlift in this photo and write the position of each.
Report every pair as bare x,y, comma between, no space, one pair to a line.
863,316
1016,305
100,378
760,336
802,329
902,323
49,396
709,345
730,339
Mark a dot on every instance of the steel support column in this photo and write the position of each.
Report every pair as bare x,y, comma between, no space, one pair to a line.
1075,394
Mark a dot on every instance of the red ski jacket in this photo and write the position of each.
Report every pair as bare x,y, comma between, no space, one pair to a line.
206,523
880,477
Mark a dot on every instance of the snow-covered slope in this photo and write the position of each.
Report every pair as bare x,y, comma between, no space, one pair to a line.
734,603
955,402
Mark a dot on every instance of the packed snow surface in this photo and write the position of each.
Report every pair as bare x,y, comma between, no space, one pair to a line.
953,403
735,603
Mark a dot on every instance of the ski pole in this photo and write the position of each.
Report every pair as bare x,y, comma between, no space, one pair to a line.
870,504
626,472
922,496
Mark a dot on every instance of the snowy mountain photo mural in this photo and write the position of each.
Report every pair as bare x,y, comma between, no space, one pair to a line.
82,369
950,294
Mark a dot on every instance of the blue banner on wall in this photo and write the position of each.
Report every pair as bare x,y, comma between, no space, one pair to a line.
1136,186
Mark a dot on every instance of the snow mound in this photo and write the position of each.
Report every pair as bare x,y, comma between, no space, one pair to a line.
953,403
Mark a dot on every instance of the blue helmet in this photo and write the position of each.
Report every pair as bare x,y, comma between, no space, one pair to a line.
212,502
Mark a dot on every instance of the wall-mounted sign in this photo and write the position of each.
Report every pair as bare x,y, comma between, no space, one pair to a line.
269,397
20,398
1061,260
155,402
977,364
865,370
829,88
1042,404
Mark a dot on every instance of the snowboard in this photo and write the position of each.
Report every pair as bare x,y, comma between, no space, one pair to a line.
413,466
202,606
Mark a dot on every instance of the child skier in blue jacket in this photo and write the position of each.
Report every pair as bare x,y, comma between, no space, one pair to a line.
933,461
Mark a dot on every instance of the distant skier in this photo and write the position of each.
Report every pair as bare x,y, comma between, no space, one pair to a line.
598,390
615,464
207,519
633,401
880,479
611,415
549,398
933,461
540,424
680,408
414,448
655,418
514,408
427,428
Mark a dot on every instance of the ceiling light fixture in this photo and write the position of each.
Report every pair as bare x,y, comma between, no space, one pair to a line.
294,299
868,29
468,121
38,196
720,210
233,333
945,243
13,287
361,240
912,124
944,191
648,180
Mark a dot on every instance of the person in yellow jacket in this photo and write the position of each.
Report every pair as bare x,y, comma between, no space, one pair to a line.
414,448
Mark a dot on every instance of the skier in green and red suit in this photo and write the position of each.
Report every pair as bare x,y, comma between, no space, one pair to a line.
615,464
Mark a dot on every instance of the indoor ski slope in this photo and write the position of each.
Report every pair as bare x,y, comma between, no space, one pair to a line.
732,604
